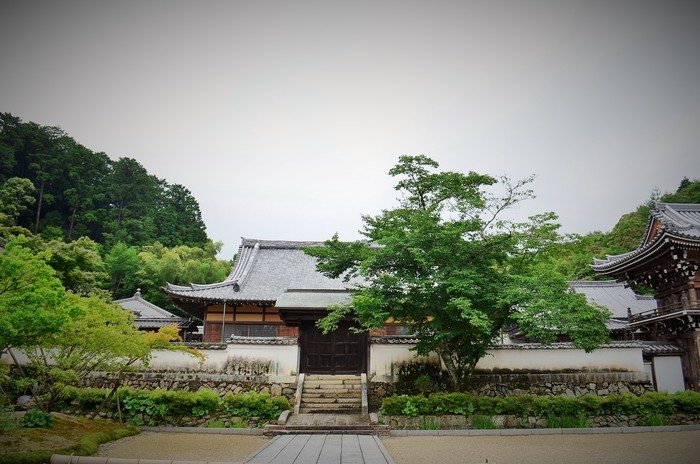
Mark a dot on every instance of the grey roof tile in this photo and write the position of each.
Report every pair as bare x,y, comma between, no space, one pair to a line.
679,222
615,296
263,271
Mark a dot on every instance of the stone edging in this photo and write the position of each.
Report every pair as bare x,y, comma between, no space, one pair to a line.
213,430
572,431
460,432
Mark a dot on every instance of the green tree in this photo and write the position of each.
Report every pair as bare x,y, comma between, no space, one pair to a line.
79,266
122,262
83,195
132,193
15,197
178,265
448,265
178,220
31,297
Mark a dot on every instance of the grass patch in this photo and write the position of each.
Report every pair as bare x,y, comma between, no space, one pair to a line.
69,435
429,423
483,423
567,422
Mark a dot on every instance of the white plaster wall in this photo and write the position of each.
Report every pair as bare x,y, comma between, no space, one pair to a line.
668,373
384,358
618,359
285,358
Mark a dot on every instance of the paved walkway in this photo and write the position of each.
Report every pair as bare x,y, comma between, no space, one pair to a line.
313,449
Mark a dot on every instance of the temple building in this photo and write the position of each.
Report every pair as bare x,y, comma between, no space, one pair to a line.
667,260
150,318
274,295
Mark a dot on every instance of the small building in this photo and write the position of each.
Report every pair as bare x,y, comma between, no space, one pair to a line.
667,260
150,318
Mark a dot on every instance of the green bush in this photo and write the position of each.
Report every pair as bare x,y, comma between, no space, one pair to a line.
687,401
255,405
543,406
451,403
420,377
35,418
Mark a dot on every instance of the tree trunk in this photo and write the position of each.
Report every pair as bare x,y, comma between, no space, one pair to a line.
38,209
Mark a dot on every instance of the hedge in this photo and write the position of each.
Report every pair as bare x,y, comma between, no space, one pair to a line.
156,407
542,406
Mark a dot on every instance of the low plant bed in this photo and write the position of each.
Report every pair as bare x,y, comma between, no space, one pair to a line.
462,410
69,435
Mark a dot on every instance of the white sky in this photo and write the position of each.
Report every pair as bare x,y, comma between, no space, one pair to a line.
283,117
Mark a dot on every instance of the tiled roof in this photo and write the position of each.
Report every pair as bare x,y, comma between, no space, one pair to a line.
678,222
264,269
515,346
615,296
150,316
661,348
264,340
565,345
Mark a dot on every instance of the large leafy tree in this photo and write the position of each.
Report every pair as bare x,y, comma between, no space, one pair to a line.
31,297
448,265
178,265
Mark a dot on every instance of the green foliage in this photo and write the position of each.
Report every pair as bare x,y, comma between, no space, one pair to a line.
35,418
416,377
567,422
480,422
445,263
687,401
427,423
32,300
559,407
163,406
69,191
255,405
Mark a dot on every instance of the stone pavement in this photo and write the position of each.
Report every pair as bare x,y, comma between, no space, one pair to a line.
313,449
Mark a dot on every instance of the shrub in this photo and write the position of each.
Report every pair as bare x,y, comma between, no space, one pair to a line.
35,418
420,377
687,401
483,422
451,403
255,405
90,398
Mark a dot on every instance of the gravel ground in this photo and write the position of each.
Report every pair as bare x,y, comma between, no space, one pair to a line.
184,446
614,448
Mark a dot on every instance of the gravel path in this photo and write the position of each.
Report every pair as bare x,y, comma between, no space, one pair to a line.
614,448
184,446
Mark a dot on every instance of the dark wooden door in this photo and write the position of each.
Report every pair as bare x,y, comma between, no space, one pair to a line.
335,353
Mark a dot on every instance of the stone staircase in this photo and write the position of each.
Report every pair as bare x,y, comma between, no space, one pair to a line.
331,394
329,404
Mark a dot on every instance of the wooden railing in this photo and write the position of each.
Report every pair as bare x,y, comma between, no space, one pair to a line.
668,310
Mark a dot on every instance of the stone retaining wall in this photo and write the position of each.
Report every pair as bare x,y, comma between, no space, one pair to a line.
455,422
220,383
570,384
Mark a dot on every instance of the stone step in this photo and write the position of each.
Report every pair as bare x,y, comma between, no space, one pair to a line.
332,377
306,401
330,394
273,430
330,408
331,386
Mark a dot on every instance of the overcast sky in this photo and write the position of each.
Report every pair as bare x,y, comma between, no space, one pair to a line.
283,117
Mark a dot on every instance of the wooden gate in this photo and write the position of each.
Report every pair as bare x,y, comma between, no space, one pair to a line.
338,352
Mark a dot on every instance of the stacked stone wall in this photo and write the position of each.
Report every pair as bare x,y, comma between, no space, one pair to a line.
569,384
220,383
